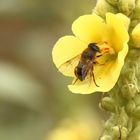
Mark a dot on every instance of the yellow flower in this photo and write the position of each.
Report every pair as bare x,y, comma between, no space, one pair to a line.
111,38
136,35
75,130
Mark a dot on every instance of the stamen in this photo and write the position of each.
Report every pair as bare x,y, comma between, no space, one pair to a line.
105,42
105,54
105,50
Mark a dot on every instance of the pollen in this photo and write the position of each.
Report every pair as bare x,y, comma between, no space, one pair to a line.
106,48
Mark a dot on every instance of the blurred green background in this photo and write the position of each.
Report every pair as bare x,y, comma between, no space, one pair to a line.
33,95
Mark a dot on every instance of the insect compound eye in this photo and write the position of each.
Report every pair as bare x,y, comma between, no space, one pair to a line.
94,47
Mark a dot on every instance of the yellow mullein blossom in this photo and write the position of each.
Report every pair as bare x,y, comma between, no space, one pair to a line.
75,130
136,35
110,36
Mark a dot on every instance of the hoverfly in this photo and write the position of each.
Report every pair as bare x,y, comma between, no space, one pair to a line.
85,64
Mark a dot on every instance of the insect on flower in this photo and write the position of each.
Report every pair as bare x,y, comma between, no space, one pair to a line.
94,55
85,66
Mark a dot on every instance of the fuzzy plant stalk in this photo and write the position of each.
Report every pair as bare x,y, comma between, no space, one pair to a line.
106,32
123,101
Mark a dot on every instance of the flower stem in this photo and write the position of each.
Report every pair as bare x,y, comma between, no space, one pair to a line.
123,101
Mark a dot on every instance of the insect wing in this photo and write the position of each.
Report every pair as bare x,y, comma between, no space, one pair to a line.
68,67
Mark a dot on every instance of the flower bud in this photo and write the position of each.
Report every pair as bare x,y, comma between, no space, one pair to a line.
137,100
135,134
116,132
113,2
124,133
119,132
136,14
102,7
108,104
128,91
136,112
106,137
110,122
123,117
130,106
126,6
136,35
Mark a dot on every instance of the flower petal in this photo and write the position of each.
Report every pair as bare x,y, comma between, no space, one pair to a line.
106,76
118,31
112,74
90,28
124,19
66,48
136,35
83,87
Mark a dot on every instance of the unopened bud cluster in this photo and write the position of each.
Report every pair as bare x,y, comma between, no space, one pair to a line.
115,6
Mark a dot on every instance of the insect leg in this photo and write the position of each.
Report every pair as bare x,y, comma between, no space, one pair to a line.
92,73
75,81
90,78
99,55
96,62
